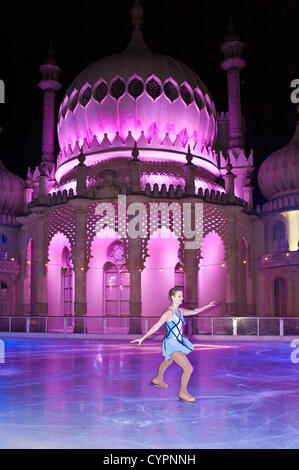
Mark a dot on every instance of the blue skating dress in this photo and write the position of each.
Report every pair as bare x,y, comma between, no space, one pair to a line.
174,340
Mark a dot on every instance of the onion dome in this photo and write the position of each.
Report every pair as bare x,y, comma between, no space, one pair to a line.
11,194
136,93
278,175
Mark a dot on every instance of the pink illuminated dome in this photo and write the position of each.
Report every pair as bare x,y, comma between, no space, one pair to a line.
11,192
278,175
135,95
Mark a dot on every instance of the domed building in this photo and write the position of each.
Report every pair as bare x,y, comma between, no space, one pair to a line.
278,178
103,230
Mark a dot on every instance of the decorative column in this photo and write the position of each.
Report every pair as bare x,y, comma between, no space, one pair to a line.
291,286
80,263
231,263
23,307
27,194
49,84
248,195
191,259
135,266
43,187
135,170
189,170
229,179
39,292
81,171
233,63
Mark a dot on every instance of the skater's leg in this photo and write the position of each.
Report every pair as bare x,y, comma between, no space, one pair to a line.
184,363
158,380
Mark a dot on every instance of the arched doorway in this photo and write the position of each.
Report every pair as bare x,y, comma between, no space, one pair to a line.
67,287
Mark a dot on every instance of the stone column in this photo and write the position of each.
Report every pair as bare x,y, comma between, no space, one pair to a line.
191,258
291,311
231,263
80,264
135,170
189,173
135,267
23,307
39,292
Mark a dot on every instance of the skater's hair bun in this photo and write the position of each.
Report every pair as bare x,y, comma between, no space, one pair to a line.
173,290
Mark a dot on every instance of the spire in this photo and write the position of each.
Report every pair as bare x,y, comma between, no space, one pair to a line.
50,59
135,153
137,42
231,35
137,15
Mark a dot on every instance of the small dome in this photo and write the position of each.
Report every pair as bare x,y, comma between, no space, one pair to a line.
279,174
11,194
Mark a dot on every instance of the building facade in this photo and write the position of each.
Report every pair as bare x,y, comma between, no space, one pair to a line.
139,134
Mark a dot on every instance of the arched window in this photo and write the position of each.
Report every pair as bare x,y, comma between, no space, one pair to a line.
179,276
279,237
117,282
3,247
280,297
117,290
67,285
3,299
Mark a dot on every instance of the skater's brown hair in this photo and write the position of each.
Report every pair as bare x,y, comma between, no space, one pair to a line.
173,291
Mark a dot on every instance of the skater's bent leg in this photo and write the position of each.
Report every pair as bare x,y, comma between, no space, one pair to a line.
158,380
184,363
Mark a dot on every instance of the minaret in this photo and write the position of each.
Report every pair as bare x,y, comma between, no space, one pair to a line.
232,49
49,84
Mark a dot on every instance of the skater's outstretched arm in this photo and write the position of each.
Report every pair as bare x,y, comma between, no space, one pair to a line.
195,311
167,315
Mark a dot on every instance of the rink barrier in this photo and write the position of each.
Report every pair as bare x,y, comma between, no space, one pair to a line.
228,327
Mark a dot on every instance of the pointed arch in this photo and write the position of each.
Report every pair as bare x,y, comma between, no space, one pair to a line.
67,287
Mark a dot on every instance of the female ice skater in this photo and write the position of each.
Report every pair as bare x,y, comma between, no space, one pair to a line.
175,345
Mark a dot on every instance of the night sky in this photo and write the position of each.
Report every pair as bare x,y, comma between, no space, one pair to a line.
189,30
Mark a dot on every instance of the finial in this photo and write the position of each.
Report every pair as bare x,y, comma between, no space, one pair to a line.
51,50
229,166
189,156
137,15
231,35
135,153
81,159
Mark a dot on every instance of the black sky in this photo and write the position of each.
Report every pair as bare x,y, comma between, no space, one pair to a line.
189,30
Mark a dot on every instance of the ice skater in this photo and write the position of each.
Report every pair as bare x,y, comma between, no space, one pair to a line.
175,345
